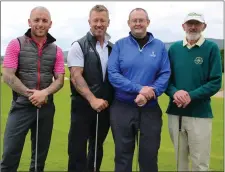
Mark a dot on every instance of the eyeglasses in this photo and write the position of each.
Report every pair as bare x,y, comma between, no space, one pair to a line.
135,21
195,23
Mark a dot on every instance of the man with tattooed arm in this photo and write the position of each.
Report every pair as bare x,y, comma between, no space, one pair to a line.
91,93
30,63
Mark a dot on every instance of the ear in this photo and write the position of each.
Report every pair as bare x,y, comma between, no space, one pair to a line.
89,22
148,22
50,24
205,25
183,25
108,22
29,22
128,23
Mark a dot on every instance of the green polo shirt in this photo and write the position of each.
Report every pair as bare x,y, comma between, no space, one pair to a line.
198,71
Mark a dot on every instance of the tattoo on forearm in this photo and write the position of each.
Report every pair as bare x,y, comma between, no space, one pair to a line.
80,84
57,84
15,84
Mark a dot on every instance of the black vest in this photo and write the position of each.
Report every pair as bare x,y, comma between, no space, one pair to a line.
34,71
92,71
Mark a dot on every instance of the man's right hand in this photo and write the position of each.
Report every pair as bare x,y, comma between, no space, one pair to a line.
98,104
140,100
36,97
148,92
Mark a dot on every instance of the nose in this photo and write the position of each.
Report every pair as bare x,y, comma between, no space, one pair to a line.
99,23
193,26
40,23
138,22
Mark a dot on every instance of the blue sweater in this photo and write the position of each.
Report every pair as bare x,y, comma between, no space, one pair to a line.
130,68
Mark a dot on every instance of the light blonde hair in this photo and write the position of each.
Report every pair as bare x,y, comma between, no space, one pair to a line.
99,8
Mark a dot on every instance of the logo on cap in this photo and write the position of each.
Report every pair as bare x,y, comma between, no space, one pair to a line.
194,16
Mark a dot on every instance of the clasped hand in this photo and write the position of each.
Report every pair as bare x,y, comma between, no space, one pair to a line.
146,93
99,104
181,98
37,97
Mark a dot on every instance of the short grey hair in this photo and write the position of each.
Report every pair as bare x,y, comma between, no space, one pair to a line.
40,8
139,9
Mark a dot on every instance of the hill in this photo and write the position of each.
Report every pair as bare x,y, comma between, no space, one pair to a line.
219,42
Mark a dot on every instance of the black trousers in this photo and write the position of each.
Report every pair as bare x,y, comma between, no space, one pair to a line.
21,118
83,130
125,121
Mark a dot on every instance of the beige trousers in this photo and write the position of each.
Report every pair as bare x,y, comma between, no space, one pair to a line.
195,141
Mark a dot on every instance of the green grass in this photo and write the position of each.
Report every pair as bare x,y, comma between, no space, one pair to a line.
222,87
58,158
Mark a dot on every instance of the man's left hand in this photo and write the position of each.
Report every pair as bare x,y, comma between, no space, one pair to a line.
148,92
38,97
184,105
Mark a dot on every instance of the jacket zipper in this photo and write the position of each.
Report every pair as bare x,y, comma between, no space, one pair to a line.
144,45
39,68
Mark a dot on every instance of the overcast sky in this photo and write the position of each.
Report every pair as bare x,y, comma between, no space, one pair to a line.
70,19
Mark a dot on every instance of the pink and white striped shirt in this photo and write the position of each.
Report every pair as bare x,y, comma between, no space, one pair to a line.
13,50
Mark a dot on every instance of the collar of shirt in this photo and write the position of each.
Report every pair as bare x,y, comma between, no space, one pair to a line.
103,53
198,43
40,45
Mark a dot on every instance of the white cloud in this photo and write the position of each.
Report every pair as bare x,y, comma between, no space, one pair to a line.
70,19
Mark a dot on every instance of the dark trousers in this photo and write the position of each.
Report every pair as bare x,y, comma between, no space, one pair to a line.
125,120
83,129
22,118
